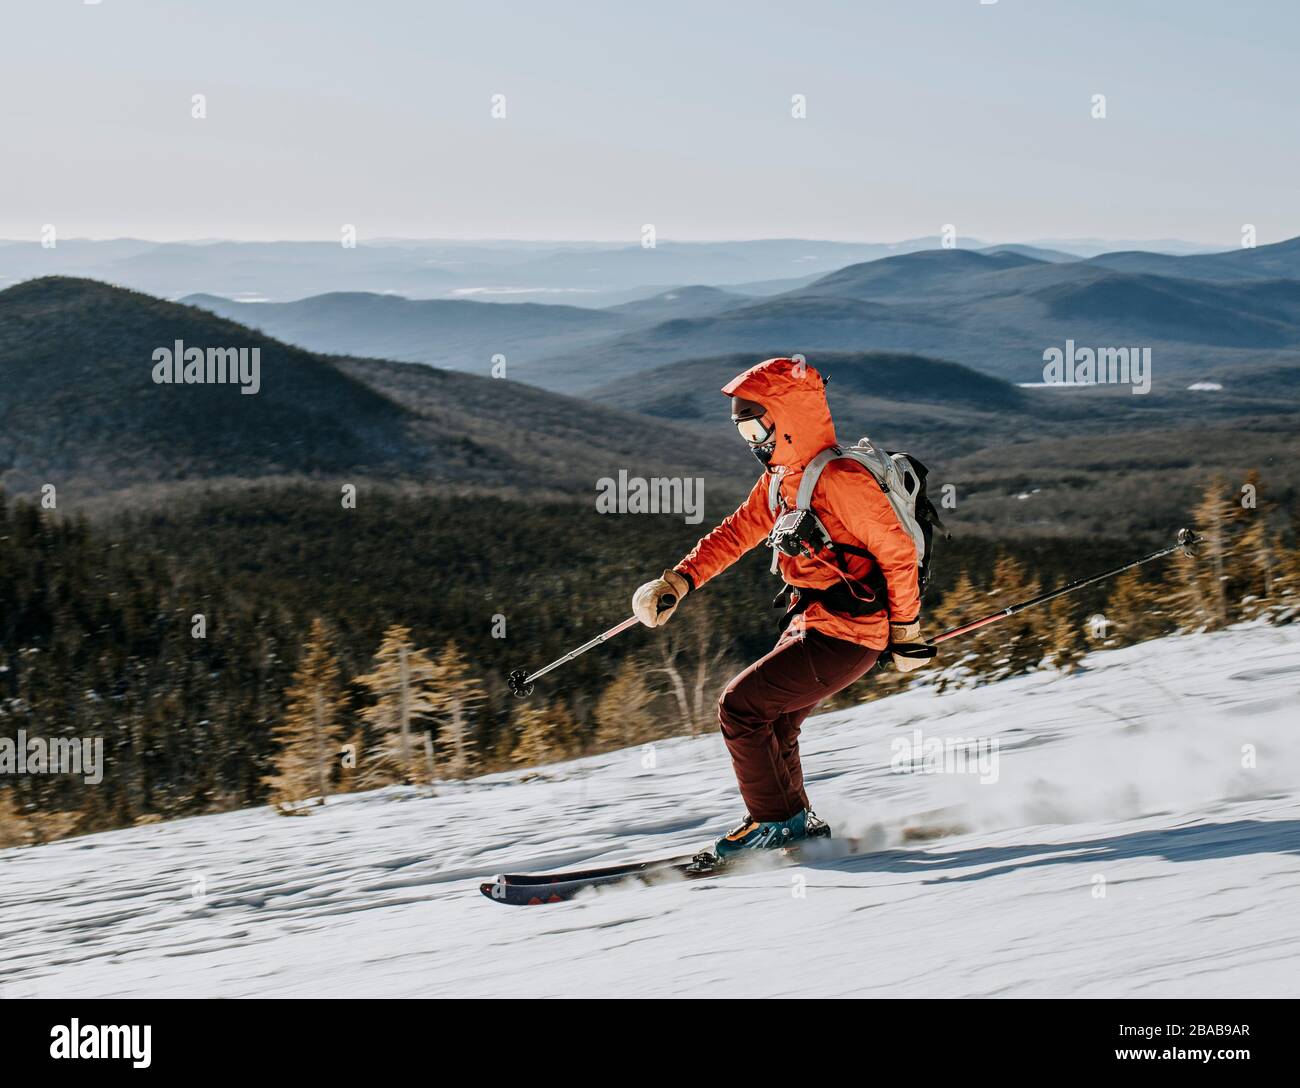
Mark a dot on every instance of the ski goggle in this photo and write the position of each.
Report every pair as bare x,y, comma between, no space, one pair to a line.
754,430
755,425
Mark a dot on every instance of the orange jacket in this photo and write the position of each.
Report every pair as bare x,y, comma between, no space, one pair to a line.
847,501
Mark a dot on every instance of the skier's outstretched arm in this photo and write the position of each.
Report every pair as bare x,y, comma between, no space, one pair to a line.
740,531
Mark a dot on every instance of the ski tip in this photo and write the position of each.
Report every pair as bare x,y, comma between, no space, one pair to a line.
500,890
497,889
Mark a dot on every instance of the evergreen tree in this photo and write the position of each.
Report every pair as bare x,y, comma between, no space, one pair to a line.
1256,555
1287,585
54,824
311,725
15,828
1067,641
402,683
506,741
1136,610
963,660
1016,646
456,695
1257,559
622,717
1201,601
546,734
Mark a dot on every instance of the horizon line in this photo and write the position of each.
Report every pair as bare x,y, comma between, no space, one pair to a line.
629,243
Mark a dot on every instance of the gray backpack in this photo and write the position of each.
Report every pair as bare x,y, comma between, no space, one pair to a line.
899,475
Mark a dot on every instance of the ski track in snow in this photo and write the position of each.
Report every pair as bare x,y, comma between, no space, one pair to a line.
1130,772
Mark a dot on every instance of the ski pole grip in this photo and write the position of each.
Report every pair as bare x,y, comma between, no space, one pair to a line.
919,650
667,601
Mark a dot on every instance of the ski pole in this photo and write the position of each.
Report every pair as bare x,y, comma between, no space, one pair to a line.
521,683
1186,543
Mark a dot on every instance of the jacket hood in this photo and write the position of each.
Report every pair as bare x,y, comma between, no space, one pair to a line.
794,394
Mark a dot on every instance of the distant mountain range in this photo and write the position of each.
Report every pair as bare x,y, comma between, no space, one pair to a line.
464,335
1278,261
582,273
591,274
80,409
1226,317
998,312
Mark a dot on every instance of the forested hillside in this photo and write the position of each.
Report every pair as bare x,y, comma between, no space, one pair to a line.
201,641
81,410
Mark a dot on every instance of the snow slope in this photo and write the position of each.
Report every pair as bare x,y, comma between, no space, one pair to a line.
1127,779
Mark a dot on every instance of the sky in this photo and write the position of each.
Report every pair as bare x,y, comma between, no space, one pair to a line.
919,113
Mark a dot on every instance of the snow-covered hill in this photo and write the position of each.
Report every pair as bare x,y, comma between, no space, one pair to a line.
1120,845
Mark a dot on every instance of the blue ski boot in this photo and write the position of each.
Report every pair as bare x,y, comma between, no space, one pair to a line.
752,834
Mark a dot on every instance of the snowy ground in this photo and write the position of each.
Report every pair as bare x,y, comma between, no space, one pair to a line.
1123,849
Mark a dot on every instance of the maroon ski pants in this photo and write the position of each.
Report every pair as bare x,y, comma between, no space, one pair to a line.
762,709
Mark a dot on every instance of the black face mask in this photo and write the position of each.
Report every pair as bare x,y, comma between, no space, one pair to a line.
764,453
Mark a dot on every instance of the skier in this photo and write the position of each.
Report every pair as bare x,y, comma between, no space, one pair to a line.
847,602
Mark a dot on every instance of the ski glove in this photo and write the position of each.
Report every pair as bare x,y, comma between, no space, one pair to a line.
655,602
904,637
905,632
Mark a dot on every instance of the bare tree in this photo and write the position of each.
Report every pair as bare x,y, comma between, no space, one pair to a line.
695,661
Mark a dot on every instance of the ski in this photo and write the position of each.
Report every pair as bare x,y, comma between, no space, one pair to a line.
529,889
535,889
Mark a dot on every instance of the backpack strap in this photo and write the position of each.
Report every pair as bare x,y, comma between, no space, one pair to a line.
774,492
773,501
812,473
803,497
